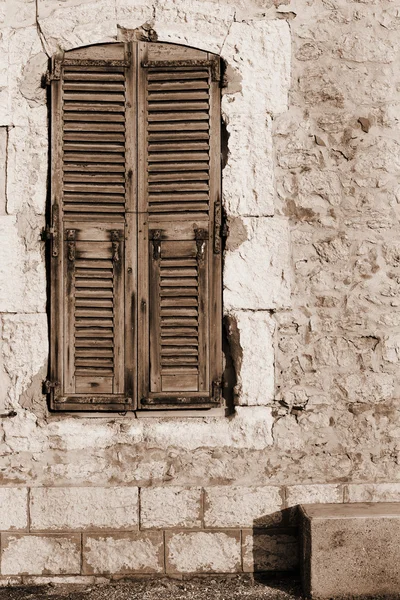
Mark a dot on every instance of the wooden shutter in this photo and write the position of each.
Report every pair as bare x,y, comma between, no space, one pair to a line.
179,219
91,336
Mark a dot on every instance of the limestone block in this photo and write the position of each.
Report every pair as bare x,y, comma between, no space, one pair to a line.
75,24
202,24
40,554
11,266
170,507
24,348
269,551
373,492
260,51
391,348
350,549
248,177
367,387
362,47
22,268
255,374
313,494
20,46
14,508
27,169
19,13
123,553
257,274
250,428
84,508
131,15
203,552
258,57
242,506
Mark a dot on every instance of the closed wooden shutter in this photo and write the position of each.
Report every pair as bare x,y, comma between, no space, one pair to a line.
135,218
90,195
179,254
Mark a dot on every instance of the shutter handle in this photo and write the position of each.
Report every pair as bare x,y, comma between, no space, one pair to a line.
70,235
155,236
201,235
115,246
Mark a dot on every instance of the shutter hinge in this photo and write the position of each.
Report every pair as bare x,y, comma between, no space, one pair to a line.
217,391
50,234
49,386
55,73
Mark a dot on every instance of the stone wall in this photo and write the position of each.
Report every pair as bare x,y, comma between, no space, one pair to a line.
311,277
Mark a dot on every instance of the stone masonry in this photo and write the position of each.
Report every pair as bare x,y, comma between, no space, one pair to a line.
311,116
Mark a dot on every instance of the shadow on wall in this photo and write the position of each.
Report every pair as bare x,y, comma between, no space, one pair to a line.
272,550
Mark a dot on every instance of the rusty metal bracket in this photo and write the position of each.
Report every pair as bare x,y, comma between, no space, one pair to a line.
155,236
70,236
52,387
115,239
201,235
214,65
217,390
217,228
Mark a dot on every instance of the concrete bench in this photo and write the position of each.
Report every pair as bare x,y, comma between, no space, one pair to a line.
350,549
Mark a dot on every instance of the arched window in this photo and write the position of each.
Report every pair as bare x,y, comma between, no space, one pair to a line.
135,228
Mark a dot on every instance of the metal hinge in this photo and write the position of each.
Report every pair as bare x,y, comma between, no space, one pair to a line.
217,390
48,386
50,234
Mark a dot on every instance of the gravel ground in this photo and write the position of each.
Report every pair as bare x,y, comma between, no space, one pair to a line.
236,588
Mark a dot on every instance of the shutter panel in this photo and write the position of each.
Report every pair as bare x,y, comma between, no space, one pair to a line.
90,195
179,253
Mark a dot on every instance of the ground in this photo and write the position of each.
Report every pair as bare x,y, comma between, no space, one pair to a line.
235,588
221,588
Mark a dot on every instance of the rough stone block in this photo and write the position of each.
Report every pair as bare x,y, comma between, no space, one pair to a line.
72,25
373,492
203,552
252,333
84,508
24,347
40,554
313,494
170,507
242,506
269,550
124,553
350,549
261,51
25,290
199,23
13,508
257,273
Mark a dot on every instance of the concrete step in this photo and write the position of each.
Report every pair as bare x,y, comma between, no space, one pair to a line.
350,549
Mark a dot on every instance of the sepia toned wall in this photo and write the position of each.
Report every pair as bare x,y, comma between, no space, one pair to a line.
311,279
